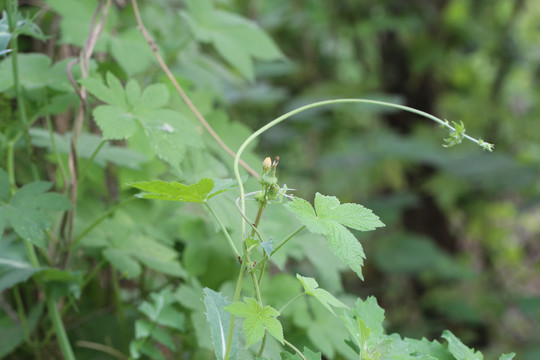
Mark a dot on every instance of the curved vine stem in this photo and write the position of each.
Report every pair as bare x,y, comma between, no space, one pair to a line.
331,102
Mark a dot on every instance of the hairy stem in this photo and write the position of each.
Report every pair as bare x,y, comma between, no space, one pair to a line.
295,349
237,293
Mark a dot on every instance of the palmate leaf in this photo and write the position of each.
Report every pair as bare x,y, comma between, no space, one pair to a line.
257,319
311,287
330,218
174,191
129,110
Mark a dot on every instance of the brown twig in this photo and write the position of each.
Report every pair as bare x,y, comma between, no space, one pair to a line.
86,53
181,91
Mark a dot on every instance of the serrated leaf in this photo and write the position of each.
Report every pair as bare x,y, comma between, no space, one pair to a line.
25,211
219,321
311,287
154,96
432,348
114,122
460,350
175,191
257,319
371,314
169,134
329,218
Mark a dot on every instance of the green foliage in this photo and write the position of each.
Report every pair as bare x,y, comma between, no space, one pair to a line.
25,211
258,319
219,321
160,314
128,109
311,287
87,111
237,39
330,218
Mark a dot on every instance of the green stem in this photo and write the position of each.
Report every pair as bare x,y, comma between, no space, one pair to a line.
314,105
22,315
58,326
12,10
63,341
10,164
295,349
281,243
291,301
224,230
100,219
90,160
263,344
237,293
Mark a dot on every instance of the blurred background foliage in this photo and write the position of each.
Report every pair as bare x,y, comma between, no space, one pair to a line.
461,246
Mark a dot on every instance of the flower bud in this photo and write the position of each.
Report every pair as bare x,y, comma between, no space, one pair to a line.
267,163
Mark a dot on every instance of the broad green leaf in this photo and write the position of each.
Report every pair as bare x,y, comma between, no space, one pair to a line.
115,122
426,347
86,146
236,39
154,96
174,191
168,132
25,211
460,350
329,218
4,186
33,71
257,319
126,246
160,310
13,272
311,287
371,314
219,321
12,333
131,51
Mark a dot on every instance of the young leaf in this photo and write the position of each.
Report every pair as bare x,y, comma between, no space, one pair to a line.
371,314
460,350
174,191
330,218
311,287
507,356
219,321
257,319
433,348
25,211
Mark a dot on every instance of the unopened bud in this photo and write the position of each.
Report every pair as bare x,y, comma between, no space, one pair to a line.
267,163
